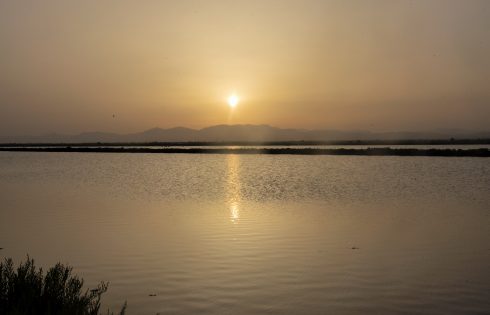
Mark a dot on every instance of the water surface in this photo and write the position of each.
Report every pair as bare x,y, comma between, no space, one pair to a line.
257,234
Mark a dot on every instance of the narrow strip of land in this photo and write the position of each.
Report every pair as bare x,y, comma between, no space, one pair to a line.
436,142
292,151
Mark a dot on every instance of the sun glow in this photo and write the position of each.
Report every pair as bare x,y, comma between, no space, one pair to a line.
233,100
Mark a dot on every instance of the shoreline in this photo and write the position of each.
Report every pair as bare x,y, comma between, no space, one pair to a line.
435,142
483,152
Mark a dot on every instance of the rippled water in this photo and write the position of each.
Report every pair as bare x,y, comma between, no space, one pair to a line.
257,234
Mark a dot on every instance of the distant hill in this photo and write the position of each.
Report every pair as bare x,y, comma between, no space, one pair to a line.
242,133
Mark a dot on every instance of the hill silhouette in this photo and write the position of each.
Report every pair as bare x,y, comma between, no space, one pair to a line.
241,133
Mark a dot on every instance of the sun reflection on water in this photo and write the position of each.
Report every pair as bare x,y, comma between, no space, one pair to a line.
234,212
233,187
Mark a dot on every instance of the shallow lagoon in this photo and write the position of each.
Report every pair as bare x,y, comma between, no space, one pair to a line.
257,234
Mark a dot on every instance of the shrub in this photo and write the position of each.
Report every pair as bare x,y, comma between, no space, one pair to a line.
27,290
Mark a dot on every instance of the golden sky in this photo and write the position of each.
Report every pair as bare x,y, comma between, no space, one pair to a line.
69,66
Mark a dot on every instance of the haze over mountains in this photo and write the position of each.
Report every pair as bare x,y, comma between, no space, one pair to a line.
241,133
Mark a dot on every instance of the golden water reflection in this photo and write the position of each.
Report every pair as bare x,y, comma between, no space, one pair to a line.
234,212
233,187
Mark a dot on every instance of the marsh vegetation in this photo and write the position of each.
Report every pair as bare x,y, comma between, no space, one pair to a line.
26,290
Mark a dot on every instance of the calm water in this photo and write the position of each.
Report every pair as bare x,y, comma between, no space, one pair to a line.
257,234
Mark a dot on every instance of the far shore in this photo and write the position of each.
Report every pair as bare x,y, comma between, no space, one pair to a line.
483,152
432,142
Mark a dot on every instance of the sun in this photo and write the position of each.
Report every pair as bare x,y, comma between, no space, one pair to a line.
233,100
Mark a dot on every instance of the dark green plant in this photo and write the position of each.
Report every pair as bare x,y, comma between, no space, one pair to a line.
27,290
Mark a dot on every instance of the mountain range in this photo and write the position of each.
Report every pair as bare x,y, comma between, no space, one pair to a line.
242,133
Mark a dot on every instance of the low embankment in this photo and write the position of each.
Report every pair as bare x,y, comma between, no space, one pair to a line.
292,151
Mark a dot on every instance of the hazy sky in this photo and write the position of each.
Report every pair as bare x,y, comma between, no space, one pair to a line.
68,66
